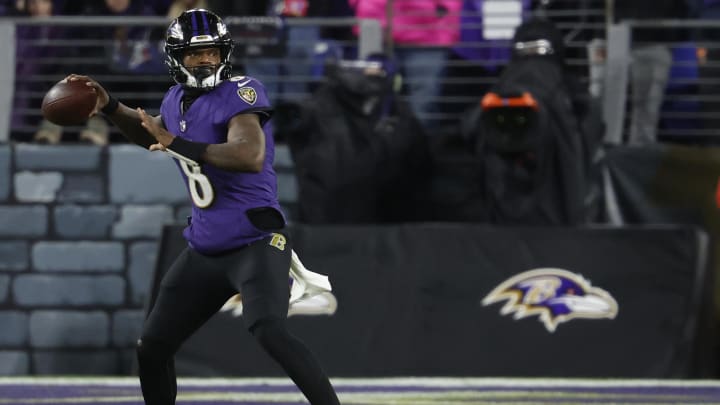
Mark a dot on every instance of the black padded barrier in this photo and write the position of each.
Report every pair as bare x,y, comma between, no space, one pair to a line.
410,304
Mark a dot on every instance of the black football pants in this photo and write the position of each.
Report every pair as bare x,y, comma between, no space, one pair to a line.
195,288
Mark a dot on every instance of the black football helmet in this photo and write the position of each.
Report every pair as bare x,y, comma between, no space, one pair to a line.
198,28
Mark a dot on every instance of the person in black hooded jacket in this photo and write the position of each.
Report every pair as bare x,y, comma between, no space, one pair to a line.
535,135
359,151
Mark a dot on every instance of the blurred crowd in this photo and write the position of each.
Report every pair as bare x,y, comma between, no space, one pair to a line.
370,134
448,51
430,40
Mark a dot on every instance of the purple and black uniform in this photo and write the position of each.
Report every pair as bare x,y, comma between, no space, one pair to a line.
224,224
236,240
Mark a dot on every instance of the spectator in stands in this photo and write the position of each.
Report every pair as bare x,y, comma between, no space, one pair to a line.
32,45
132,46
650,63
486,28
359,151
130,51
286,77
422,33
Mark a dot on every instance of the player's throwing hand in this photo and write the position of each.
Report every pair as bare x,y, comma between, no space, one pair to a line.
102,94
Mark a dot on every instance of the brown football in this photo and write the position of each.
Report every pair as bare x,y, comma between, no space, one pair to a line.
69,103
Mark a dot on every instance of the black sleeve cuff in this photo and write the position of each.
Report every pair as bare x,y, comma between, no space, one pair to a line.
189,149
111,106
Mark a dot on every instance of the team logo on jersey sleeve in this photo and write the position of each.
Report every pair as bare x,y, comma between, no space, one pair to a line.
555,295
248,94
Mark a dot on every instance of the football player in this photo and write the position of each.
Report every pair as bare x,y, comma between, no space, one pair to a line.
215,126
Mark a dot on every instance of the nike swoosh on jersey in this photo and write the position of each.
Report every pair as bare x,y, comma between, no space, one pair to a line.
244,83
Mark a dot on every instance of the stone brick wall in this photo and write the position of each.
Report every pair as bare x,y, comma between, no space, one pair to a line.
79,229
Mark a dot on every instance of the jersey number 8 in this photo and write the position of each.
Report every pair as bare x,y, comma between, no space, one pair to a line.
201,190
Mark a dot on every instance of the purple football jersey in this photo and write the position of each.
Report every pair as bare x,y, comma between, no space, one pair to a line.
224,225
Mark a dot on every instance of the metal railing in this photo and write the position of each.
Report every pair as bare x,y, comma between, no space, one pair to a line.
687,112
76,48
690,98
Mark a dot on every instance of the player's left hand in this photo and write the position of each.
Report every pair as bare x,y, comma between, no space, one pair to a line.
161,135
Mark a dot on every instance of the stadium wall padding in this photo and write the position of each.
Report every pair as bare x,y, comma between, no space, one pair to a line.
409,303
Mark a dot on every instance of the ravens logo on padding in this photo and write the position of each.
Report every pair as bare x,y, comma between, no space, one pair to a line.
555,295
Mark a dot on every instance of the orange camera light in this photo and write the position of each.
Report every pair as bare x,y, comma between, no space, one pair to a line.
494,100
